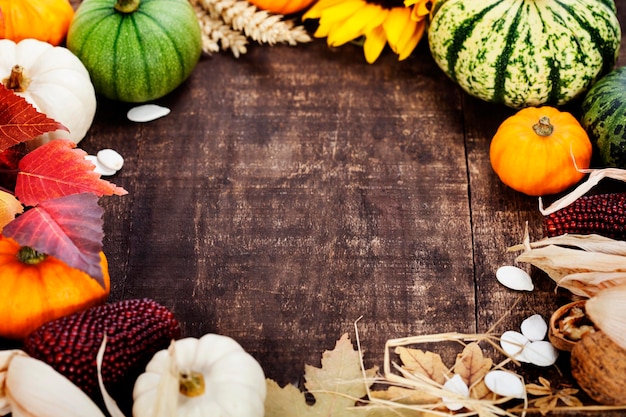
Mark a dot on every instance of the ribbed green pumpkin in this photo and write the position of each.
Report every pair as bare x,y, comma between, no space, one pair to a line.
525,52
136,50
604,118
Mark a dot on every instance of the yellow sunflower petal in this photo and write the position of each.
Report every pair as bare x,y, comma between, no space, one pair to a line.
341,11
406,48
374,44
318,7
395,25
355,26
420,10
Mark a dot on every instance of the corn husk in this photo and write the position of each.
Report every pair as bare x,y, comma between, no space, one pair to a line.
607,310
582,264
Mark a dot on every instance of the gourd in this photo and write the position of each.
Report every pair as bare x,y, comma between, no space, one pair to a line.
54,81
282,6
539,151
36,288
211,377
136,50
525,52
45,20
604,118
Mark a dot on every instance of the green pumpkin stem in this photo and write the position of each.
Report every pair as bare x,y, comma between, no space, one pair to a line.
16,81
127,6
30,256
543,127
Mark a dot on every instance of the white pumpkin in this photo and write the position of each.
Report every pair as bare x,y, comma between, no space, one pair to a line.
210,377
55,82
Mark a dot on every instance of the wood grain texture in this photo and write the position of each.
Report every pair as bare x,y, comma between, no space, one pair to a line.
293,190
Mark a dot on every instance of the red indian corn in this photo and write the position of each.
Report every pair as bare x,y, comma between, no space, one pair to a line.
602,214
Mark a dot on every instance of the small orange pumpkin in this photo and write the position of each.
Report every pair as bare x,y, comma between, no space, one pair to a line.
537,151
282,6
45,20
36,288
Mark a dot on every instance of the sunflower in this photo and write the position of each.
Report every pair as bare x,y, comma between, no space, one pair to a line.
399,23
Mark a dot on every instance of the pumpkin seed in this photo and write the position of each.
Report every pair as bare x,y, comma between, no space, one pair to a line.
534,328
505,383
514,278
147,113
110,159
541,353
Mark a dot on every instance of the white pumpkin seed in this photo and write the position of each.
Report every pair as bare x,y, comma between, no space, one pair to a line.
534,328
147,113
99,168
513,343
514,278
505,383
457,386
110,159
541,353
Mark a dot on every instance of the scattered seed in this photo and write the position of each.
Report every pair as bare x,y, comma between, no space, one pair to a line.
110,159
505,383
534,328
541,353
514,278
455,385
513,343
147,113
99,168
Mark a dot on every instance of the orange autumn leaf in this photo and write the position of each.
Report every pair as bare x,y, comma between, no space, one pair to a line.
19,121
471,365
9,208
58,169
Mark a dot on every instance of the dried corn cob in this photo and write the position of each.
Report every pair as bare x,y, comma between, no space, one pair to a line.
602,214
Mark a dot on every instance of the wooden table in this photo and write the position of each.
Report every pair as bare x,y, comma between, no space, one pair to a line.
295,189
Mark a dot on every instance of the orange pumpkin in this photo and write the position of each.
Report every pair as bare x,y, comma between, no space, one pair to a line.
45,20
537,151
36,288
282,6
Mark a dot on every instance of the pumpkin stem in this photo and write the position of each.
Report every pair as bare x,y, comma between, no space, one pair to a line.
543,127
127,6
16,81
30,256
191,384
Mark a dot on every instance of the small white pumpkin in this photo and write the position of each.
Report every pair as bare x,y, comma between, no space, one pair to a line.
54,81
211,377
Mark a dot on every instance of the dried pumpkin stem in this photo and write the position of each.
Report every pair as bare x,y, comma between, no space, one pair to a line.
543,127
190,383
16,81
30,256
127,6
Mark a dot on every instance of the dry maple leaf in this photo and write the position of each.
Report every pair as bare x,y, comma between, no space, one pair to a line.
336,387
428,364
471,365
549,397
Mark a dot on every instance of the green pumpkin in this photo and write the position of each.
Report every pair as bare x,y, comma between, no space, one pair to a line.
136,50
604,118
525,52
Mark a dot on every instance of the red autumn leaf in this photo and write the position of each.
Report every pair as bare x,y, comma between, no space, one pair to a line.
19,121
56,169
9,160
68,228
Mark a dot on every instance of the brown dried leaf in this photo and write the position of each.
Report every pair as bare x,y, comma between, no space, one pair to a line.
428,364
471,365
480,391
404,396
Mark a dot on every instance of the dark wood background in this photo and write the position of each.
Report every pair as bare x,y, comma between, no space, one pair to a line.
295,189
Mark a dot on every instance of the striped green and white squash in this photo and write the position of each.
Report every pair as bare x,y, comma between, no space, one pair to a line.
525,52
604,118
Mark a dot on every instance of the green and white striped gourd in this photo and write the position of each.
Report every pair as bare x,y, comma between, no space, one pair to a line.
525,52
604,117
